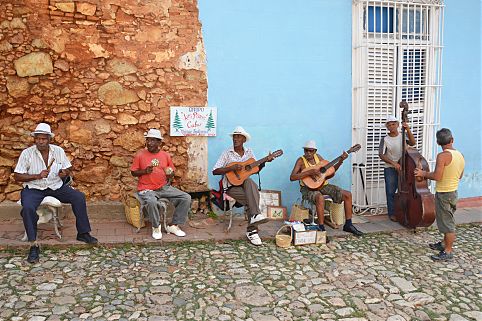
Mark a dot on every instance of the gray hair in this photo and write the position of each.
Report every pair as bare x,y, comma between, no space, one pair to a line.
444,136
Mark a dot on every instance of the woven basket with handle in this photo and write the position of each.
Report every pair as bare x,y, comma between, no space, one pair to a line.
284,240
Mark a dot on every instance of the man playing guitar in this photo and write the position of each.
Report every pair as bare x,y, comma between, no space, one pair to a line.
247,193
302,170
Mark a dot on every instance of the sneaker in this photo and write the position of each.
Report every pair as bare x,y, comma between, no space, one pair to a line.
174,229
258,219
33,254
87,238
156,233
437,246
352,229
442,256
254,238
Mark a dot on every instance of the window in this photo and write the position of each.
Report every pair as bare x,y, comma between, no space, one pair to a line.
396,56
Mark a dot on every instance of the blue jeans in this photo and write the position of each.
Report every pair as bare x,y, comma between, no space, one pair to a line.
391,185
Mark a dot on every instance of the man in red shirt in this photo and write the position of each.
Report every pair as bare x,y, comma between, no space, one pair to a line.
154,168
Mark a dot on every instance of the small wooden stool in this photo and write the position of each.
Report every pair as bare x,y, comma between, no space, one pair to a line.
48,211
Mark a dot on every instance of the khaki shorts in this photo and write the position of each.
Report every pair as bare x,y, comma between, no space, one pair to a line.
332,191
445,206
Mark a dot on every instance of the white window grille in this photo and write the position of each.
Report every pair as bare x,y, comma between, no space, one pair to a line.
396,55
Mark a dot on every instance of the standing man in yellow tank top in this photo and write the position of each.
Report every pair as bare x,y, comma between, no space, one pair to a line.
338,195
449,169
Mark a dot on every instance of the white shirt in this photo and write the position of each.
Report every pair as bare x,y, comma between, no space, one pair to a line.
229,156
392,146
31,162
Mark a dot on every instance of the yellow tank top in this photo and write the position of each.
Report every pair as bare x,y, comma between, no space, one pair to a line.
305,162
451,176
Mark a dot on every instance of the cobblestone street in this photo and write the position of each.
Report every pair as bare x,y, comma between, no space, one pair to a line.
376,277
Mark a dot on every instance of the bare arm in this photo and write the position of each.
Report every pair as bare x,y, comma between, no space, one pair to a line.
297,174
30,177
411,139
224,170
343,157
141,172
443,159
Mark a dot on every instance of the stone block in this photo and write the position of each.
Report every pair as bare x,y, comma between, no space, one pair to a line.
34,64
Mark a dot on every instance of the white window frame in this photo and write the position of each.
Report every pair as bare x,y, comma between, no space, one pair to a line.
377,85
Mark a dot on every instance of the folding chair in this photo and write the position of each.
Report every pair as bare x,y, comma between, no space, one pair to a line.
226,203
162,205
328,208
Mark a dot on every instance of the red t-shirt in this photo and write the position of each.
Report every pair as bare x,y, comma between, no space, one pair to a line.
157,178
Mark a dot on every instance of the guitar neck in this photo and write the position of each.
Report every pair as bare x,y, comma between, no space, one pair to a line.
259,162
332,163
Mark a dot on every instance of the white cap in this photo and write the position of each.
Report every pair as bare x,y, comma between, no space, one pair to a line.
42,128
391,118
153,133
240,131
310,144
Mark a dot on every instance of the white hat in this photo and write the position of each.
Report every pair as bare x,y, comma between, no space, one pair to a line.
42,128
240,131
153,133
391,118
310,144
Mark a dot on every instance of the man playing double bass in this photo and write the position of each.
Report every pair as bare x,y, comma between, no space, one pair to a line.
449,168
246,194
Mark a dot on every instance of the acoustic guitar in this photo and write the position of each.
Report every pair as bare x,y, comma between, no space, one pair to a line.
326,170
250,167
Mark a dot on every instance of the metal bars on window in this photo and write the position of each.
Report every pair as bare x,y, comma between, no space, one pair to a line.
396,55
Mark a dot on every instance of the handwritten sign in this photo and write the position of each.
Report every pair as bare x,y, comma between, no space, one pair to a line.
193,121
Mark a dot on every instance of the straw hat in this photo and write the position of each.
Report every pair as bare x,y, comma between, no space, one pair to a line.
310,144
153,133
42,128
391,118
240,131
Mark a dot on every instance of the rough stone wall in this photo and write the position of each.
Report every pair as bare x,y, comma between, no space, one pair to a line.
101,72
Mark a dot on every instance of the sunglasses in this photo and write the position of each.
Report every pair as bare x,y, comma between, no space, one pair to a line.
310,150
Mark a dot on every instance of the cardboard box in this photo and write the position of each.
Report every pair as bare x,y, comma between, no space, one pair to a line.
320,237
304,237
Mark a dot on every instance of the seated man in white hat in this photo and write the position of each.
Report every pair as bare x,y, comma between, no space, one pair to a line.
42,169
390,151
246,194
154,168
310,159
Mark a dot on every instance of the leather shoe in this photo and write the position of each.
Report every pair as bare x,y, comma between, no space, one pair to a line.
86,238
352,229
33,254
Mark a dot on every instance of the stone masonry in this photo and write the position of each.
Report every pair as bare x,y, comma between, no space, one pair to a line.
101,72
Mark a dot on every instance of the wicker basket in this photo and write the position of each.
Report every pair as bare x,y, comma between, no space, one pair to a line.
284,240
133,213
337,213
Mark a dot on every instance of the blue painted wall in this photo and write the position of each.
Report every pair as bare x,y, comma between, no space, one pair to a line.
461,95
282,70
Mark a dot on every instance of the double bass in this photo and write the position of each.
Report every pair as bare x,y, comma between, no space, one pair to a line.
414,203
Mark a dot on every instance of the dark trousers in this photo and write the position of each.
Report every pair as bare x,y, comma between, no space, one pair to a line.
31,199
391,185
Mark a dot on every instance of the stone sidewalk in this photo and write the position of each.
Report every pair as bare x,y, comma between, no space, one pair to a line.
378,277
115,230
